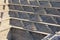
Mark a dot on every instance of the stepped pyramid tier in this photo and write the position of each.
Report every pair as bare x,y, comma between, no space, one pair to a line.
29,19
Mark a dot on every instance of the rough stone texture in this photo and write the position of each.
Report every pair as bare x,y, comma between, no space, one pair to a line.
39,16
4,34
18,34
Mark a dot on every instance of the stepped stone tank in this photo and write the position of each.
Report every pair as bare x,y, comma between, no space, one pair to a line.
29,19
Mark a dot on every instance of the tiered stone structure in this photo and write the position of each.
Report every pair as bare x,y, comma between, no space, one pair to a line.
29,19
